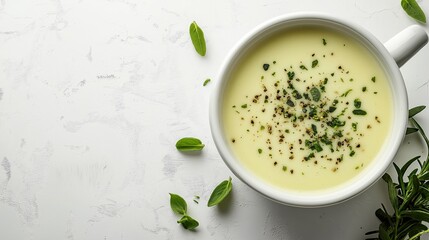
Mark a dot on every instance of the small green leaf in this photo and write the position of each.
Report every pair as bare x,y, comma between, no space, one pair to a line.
411,130
392,191
178,204
415,110
220,192
359,112
188,222
412,8
418,215
315,94
197,37
400,177
189,144
206,82
407,164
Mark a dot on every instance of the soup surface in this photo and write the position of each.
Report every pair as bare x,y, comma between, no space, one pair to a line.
307,109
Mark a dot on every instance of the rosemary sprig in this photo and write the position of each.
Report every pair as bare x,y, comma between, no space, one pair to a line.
409,197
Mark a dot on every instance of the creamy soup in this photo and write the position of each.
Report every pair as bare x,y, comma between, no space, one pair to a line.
307,109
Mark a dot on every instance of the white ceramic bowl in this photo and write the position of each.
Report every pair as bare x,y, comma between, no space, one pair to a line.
396,52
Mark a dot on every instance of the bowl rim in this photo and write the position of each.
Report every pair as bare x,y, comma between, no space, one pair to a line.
347,191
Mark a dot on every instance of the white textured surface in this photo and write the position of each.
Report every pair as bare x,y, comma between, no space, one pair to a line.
95,93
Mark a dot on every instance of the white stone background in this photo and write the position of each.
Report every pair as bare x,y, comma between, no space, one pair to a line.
95,93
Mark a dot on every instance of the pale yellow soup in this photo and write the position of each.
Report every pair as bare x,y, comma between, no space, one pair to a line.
307,109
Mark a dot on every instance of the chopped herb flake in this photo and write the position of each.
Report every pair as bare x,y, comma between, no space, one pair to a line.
206,82
359,112
315,94
346,93
314,63
291,75
357,103
266,66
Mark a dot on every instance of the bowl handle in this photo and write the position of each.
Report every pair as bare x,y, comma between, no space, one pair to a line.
406,43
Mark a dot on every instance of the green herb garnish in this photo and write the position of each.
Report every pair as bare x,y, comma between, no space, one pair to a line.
412,8
206,82
314,128
357,103
188,144
346,93
314,63
290,75
359,112
266,66
259,150
315,94
373,79
220,192
354,126
310,156
179,206
244,106
197,37
336,122
303,67
409,198
324,41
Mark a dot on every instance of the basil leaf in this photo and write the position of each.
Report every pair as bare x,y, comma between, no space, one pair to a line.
415,110
197,37
412,8
220,192
188,222
411,130
315,94
178,204
206,82
189,144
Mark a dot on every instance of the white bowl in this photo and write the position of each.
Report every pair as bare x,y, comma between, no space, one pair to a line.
396,52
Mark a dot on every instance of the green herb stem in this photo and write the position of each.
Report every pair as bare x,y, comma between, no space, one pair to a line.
418,235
